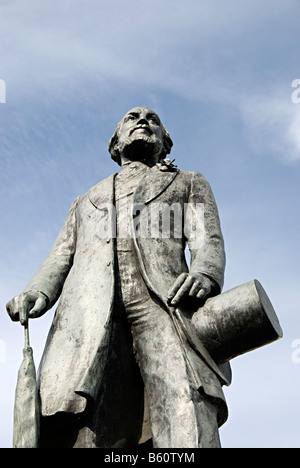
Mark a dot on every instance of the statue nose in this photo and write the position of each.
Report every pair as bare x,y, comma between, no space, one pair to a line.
143,121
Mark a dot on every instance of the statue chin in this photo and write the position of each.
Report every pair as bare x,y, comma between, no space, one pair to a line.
141,148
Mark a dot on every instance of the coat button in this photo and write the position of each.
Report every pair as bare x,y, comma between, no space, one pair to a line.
108,263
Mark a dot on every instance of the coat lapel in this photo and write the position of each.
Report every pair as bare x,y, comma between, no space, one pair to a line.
153,184
102,194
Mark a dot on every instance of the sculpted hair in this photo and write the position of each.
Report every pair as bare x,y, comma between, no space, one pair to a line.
115,155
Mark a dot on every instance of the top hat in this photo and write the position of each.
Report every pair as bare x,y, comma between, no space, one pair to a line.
236,321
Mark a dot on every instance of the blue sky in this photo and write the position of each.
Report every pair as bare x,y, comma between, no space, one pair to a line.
219,74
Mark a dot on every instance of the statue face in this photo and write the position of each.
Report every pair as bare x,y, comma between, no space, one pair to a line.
141,135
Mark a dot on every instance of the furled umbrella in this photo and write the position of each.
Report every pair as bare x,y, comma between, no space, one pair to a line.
26,409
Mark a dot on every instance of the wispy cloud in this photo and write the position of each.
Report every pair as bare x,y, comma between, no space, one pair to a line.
272,123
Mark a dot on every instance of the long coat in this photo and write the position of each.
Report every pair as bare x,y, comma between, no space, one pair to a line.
80,269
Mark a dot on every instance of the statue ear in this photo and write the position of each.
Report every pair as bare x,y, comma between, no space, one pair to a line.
168,143
113,146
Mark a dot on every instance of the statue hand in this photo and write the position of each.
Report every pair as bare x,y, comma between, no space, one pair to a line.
193,285
27,305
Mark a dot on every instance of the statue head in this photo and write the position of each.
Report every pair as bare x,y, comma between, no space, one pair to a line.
140,135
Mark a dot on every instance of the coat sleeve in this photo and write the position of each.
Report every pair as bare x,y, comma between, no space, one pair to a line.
203,233
52,273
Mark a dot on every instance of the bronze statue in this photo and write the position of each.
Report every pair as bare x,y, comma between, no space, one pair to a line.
123,365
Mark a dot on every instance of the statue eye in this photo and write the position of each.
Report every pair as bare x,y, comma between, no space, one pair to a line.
154,119
130,117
